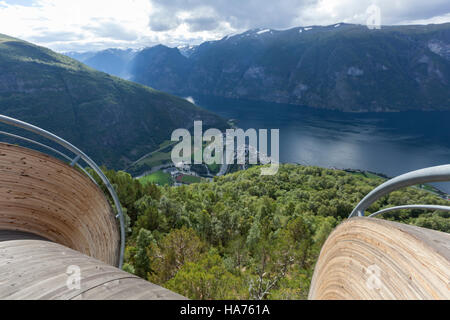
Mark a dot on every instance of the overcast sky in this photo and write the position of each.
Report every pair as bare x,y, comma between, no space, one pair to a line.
83,25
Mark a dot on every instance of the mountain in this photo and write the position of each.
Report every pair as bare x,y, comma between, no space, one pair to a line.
343,67
113,120
113,61
164,66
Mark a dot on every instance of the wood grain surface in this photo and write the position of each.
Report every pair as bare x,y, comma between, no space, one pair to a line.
45,196
35,269
371,259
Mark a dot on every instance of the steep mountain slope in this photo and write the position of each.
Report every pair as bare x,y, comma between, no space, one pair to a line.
113,120
162,65
344,67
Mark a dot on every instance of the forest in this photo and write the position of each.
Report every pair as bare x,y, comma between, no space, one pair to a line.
247,236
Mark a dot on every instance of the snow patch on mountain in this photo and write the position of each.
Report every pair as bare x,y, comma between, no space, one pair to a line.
263,31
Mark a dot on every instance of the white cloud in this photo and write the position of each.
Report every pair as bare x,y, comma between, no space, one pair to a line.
328,12
96,24
437,19
72,24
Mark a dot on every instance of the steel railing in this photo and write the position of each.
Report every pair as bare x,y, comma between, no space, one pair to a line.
74,161
428,175
411,207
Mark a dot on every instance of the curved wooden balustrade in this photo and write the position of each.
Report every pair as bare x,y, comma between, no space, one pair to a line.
44,196
366,258
47,207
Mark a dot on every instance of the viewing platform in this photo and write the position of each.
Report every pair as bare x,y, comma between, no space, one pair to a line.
55,219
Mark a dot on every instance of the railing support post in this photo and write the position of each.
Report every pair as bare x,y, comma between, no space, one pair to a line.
75,161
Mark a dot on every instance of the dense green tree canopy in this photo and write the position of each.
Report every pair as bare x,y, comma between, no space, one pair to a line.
247,236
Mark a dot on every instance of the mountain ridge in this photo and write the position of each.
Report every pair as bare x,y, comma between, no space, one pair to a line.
113,120
342,67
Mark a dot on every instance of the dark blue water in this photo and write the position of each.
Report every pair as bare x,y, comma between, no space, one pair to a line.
389,143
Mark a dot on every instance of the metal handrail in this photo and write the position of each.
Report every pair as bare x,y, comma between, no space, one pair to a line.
410,207
433,174
79,155
48,148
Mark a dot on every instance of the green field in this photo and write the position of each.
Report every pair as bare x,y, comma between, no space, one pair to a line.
161,178
191,179
163,156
